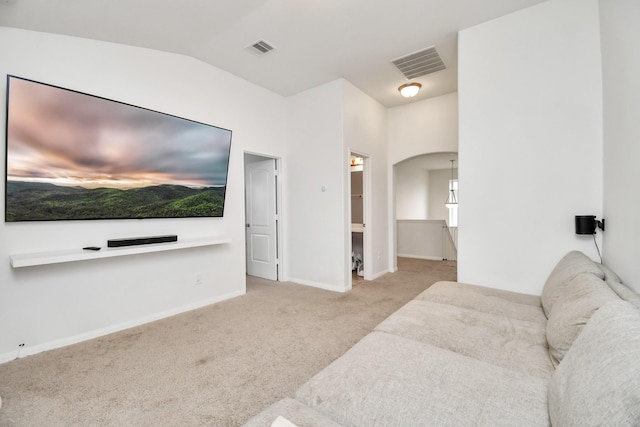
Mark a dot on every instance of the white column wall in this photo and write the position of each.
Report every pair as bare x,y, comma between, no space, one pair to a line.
621,68
49,306
530,93
315,207
412,192
326,123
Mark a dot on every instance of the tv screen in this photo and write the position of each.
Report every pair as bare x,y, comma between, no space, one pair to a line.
75,156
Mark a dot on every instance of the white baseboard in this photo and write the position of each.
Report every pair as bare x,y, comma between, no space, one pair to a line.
317,285
28,351
432,258
332,287
378,275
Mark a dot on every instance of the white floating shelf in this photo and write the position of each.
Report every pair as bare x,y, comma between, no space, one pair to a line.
55,257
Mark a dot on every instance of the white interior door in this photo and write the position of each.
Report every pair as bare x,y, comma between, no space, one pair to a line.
261,231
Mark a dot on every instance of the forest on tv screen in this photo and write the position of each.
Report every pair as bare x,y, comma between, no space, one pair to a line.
27,201
74,156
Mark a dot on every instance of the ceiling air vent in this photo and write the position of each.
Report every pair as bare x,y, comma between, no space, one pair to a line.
420,63
261,47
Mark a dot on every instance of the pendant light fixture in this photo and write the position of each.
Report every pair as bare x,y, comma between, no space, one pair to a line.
452,200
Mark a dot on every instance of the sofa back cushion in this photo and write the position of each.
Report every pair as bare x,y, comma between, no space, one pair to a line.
609,274
624,292
580,298
615,283
572,264
598,381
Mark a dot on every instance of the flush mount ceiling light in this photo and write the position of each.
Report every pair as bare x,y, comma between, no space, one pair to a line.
409,90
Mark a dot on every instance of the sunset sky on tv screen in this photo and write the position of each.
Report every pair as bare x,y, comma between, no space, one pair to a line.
68,138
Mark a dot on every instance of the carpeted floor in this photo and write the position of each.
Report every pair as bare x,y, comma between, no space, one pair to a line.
216,366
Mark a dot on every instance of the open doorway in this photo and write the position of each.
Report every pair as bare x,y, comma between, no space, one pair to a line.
262,219
360,261
426,208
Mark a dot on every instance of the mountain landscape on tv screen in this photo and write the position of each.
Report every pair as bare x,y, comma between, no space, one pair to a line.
74,156
29,201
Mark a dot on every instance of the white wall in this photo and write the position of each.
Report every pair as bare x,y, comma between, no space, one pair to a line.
530,94
315,159
621,68
365,132
412,192
326,123
48,306
439,192
421,193
423,127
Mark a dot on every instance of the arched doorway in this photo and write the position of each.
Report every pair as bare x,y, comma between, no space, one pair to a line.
424,226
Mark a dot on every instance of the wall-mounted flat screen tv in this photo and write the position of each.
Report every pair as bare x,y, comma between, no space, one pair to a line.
75,156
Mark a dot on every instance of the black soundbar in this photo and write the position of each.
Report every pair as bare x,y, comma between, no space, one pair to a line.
116,243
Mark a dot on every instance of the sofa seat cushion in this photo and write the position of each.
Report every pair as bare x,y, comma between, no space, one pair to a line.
502,341
487,300
456,288
294,411
598,381
388,380
572,264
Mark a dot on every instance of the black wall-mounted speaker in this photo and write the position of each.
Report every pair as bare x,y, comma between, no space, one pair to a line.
585,224
116,243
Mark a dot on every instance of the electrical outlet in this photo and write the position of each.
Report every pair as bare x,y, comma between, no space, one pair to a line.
198,279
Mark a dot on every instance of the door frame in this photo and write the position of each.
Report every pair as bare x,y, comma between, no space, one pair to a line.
278,215
367,243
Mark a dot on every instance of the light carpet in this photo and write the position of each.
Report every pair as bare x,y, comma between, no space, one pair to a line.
215,366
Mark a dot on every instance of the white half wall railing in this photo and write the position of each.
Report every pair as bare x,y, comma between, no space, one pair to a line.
450,243
425,239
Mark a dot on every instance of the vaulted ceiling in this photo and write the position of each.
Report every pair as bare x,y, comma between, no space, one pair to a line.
315,41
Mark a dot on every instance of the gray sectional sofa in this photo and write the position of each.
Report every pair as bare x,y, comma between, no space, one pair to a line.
460,355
